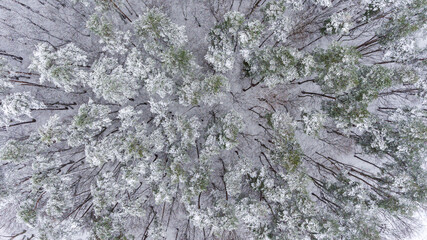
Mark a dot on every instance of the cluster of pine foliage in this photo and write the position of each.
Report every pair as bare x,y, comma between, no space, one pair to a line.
213,119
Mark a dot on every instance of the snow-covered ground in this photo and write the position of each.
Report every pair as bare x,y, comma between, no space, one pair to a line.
194,31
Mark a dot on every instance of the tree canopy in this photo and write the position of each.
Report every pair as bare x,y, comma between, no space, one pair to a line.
212,119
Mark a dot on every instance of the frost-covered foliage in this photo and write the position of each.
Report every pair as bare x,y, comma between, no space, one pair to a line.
90,120
280,22
313,122
337,67
115,41
156,29
216,119
213,88
339,23
223,39
61,67
279,65
227,131
17,105
111,81
16,151
52,132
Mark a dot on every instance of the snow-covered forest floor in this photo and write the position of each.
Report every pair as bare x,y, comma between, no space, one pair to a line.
213,119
